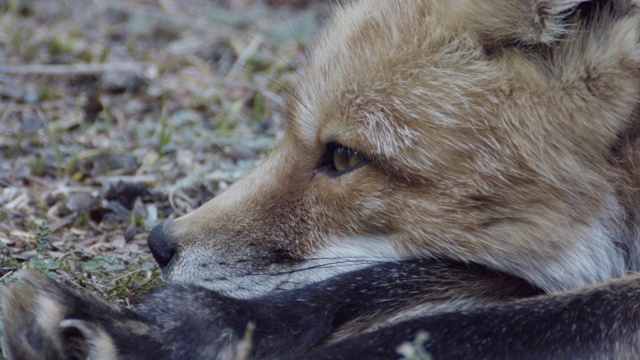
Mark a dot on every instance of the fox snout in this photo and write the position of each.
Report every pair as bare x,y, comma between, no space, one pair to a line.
293,220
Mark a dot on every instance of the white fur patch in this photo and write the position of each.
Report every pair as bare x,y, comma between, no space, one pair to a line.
593,260
100,344
48,313
244,280
594,255
369,247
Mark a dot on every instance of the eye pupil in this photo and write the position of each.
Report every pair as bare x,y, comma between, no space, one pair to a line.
345,159
338,160
342,158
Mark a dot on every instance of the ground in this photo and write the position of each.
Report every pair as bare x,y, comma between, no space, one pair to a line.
117,115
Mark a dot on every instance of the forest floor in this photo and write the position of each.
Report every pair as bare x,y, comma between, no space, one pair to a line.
117,115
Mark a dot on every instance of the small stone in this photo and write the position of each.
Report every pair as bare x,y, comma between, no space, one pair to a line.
81,202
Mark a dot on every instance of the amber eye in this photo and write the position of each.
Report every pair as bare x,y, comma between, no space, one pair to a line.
346,159
338,160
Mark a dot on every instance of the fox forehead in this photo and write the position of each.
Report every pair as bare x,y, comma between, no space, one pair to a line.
418,80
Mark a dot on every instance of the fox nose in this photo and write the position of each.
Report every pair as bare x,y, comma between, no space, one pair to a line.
162,247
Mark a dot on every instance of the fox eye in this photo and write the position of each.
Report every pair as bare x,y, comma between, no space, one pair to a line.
338,160
345,159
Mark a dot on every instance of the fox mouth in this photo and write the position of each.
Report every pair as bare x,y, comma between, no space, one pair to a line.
249,279
250,276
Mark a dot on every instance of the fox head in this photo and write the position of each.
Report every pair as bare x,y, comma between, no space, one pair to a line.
479,131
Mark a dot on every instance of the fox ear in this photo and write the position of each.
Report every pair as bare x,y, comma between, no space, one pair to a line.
518,22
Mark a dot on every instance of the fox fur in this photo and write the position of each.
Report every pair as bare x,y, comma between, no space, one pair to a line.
466,310
51,321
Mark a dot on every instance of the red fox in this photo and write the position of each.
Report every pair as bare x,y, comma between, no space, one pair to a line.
499,134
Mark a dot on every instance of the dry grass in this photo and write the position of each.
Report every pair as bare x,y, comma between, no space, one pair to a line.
116,115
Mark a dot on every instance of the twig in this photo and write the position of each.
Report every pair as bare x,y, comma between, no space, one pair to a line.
11,271
127,179
120,277
62,222
73,69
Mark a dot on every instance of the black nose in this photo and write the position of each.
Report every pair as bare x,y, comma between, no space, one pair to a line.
162,247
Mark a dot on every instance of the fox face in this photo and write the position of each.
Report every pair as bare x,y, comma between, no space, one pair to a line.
485,132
